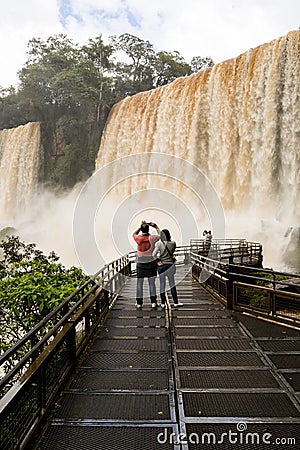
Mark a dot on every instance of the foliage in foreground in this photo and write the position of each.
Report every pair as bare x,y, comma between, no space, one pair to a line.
31,285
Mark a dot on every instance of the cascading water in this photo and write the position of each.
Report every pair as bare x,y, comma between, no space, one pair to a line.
19,166
239,123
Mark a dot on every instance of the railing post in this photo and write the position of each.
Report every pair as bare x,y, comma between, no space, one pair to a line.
71,342
42,389
272,303
87,322
260,256
229,296
97,304
186,256
196,270
106,299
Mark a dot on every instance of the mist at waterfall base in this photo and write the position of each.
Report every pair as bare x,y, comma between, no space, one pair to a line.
49,222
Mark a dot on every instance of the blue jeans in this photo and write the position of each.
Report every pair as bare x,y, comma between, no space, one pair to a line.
167,270
139,290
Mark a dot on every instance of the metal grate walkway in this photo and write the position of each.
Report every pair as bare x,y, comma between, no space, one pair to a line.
187,378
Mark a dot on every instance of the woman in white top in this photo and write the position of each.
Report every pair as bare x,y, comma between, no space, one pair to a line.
164,250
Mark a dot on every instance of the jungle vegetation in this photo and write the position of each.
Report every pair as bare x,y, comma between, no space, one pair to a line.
31,285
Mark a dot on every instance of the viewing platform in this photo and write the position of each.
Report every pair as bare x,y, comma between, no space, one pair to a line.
204,375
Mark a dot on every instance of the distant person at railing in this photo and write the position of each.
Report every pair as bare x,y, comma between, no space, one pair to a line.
207,239
146,266
164,253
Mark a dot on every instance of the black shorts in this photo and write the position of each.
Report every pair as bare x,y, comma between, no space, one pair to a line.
146,268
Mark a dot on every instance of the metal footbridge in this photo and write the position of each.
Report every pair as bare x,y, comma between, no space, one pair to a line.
222,371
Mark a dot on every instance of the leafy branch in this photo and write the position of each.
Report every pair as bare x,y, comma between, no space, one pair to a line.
31,285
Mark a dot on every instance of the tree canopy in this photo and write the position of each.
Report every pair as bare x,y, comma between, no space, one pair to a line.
31,285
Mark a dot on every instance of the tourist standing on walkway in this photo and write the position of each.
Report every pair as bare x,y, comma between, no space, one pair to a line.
207,239
146,266
164,251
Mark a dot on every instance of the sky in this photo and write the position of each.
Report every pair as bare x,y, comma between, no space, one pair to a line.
221,29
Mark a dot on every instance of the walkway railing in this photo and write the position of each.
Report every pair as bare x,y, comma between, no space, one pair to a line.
51,350
262,292
230,251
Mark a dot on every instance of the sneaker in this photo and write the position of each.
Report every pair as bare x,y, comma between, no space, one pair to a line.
153,305
178,304
138,306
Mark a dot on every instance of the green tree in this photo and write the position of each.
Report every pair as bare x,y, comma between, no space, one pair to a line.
13,112
139,73
199,63
99,63
31,285
169,66
59,78
45,78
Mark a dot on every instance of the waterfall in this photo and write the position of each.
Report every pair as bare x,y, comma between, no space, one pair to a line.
238,122
19,165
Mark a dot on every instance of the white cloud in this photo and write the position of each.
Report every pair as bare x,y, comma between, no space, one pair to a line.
19,22
221,29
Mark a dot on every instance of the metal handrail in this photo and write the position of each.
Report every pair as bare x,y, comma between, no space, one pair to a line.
44,369
106,274
231,282
41,324
236,269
